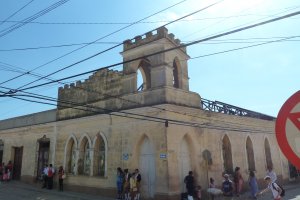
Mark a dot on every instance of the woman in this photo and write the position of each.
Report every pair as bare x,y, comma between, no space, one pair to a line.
238,180
253,184
120,178
126,186
61,174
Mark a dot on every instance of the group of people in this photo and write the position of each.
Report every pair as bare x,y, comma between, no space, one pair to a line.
230,188
128,184
48,174
6,171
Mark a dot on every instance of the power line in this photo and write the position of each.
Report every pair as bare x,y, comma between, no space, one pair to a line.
105,36
31,18
134,115
16,12
227,41
173,48
245,47
83,60
145,22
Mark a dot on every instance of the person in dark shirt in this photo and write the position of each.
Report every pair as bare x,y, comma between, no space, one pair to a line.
227,186
190,184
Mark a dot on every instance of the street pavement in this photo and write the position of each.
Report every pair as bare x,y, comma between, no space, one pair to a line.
16,190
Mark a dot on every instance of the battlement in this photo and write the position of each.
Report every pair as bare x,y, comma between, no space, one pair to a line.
160,33
103,73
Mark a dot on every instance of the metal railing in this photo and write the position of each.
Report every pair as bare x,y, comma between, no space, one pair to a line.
220,107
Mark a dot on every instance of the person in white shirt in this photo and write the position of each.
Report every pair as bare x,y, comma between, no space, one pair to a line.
45,176
275,189
271,174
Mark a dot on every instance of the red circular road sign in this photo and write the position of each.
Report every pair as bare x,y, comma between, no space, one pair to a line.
288,129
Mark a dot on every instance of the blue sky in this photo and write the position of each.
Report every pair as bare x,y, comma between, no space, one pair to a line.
259,78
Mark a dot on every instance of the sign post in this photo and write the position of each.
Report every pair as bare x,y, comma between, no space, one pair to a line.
288,129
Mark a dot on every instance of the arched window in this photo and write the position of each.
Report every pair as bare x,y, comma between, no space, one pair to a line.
175,74
84,161
143,75
227,155
268,154
100,156
250,154
1,150
71,156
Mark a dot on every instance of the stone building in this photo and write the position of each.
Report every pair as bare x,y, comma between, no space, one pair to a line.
160,127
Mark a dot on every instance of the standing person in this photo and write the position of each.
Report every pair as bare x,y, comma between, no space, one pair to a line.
212,185
61,174
238,181
126,186
45,176
120,176
271,174
275,189
10,169
50,175
253,184
138,179
227,187
133,187
190,185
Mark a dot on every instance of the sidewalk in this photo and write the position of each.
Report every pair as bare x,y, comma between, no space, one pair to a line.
16,190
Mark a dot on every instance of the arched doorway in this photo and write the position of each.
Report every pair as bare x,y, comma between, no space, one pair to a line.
184,162
43,154
250,155
147,168
269,162
227,155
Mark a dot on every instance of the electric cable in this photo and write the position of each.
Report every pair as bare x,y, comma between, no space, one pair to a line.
31,18
105,36
173,48
83,60
16,12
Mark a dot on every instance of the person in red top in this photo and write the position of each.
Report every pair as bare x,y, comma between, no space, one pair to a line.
61,174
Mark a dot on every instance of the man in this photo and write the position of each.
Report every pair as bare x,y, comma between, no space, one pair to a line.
50,174
45,176
275,189
190,185
271,174
227,186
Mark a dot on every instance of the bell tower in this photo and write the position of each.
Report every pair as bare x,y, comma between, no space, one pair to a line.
162,69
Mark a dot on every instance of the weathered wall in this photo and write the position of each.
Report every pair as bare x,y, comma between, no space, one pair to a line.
125,136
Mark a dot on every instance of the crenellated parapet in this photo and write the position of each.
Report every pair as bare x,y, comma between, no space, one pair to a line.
98,86
149,37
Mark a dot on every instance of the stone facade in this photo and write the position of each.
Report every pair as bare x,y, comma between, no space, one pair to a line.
104,123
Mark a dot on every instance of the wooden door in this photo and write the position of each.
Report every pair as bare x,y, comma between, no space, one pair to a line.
43,157
147,169
17,167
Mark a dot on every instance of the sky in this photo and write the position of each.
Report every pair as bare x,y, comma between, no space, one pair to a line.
259,78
